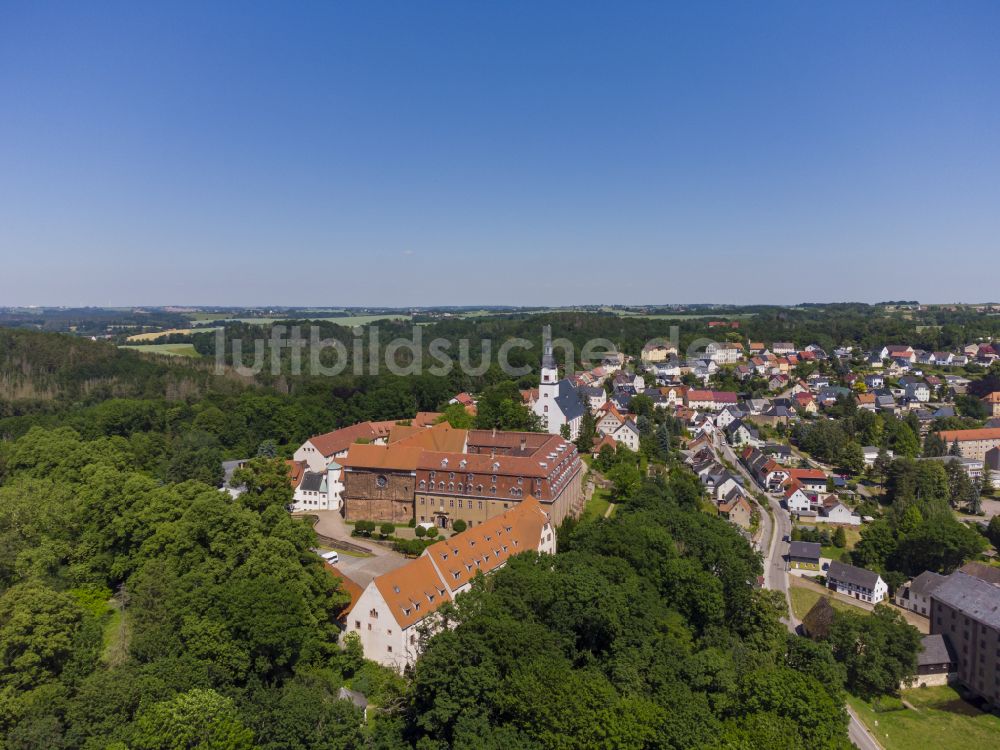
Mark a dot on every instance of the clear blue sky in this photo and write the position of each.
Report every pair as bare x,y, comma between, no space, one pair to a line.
406,153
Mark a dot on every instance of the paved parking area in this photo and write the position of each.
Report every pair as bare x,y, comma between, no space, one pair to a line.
362,570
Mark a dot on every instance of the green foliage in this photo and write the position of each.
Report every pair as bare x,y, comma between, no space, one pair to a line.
459,526
878,651
195,720
642,632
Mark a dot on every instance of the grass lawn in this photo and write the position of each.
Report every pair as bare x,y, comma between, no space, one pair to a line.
171,350
803,599
939,720
598,504
834,553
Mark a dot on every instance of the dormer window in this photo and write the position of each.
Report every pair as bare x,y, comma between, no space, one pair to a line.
444,463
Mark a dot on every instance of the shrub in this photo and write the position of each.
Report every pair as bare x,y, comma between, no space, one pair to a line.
459,526
386,529
363,528
432,532
420,531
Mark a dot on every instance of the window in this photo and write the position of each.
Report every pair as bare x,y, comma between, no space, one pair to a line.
389,648
357,624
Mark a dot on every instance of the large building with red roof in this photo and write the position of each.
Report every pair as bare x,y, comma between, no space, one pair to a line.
392,613
440,475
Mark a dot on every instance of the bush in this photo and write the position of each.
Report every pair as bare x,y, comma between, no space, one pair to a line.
411,547
459,526
432,532
386,530
363,528
420,531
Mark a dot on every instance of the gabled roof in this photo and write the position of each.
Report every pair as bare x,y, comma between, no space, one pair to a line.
850,574
412,591
935,650
927,582
340,440
973,597
569,402
808,550
486,546
296,470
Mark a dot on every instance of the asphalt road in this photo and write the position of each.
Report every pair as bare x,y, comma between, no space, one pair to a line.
776,576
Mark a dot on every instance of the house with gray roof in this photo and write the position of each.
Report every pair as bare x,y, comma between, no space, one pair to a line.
804,555
859,583
936,661
915,595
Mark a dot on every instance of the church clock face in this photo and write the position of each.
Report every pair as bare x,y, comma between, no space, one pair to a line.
381,480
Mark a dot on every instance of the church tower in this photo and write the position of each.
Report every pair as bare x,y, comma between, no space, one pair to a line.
550,373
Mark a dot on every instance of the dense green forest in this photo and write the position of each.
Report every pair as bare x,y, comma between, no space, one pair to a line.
141,614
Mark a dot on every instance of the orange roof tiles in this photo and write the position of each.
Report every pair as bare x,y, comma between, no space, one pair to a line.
400,458
989,433
412,591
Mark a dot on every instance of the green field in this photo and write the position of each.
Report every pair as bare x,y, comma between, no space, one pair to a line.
598,504
170,350
939,720
804,598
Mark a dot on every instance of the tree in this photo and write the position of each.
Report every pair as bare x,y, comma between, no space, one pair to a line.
458,417
267,449
934,445
459,525
626,480
878,651
852,458
840,538
993,531
265,484
420,532
195,720
386,530
955,450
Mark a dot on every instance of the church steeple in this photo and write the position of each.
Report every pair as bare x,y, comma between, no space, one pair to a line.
550,372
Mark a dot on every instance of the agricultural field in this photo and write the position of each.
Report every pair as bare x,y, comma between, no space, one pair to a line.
933,718
352,320
170,350
153,335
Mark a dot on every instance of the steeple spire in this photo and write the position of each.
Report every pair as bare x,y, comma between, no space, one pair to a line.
548,361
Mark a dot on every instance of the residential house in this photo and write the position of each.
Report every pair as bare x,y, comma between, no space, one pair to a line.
915,595
728,415
778,451
859,583
724,352
740,433
783,347
657,352
710,400
737,510
804,555
813,480
595,397
918,392
796,499
628,435
870,452
832,510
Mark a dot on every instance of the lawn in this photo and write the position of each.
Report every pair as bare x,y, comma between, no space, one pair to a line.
170,350
939,720
804,597
834,553
598,504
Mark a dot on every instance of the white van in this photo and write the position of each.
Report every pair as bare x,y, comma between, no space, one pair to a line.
331,557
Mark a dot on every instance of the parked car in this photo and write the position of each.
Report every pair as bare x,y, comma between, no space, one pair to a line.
331,557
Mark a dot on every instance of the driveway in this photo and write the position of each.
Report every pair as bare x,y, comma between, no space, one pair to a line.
362,570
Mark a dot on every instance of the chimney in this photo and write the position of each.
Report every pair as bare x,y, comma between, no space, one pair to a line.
524,443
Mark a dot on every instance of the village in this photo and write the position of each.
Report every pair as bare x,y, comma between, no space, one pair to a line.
450,503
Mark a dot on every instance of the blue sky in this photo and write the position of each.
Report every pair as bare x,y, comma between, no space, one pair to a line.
421,153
